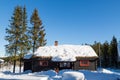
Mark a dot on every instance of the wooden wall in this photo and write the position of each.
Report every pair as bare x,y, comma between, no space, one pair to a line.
34,64
92,65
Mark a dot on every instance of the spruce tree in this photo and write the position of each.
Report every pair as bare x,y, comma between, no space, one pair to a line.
37,31
113,52
105,54
97,47
13,34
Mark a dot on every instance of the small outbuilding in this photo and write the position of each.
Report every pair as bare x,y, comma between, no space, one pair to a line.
1,63
74,57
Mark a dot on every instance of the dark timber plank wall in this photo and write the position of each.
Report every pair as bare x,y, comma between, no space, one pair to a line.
91,66
34,64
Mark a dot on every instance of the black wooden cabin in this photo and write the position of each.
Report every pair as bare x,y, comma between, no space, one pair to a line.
36,64
78,57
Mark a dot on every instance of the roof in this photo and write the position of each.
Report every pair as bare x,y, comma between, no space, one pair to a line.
65,52
1,60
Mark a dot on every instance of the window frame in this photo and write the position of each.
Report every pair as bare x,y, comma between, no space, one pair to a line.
43,63
84,63
65,64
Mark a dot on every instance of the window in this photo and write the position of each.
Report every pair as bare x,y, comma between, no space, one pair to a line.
43,63
84,63
64,64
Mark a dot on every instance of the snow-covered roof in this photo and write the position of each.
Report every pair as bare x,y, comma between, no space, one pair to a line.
28,56
1,60
65,52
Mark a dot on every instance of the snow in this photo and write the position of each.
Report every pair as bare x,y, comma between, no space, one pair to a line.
100,74
22,76
65,52
118,47
28,56
63,58
107,71
72,75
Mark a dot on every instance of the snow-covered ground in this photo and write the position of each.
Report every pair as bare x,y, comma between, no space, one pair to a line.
101,74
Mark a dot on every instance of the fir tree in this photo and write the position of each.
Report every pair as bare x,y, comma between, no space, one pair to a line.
37,32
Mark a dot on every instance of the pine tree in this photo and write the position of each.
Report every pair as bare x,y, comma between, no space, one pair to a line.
23,40
42,40
13,34
37,32
113,52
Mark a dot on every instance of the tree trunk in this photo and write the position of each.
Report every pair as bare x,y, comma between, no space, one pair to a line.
33,46
14,64
20,65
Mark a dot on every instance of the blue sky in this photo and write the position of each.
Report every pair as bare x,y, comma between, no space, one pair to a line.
68,21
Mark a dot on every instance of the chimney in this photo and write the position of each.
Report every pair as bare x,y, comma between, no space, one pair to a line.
56,43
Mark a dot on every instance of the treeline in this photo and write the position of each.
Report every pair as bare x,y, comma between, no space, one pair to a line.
22,38
108,53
